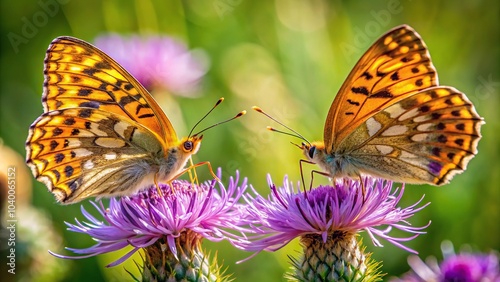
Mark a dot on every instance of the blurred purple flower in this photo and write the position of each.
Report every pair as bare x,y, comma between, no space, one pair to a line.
156,61
142,219
327,210
462,267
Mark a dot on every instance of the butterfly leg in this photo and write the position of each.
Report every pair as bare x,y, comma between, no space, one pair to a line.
193,176
207,163
157,185
363,191
302,172
198,165
320,173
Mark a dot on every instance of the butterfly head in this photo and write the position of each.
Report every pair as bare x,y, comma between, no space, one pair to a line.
313,151
190,145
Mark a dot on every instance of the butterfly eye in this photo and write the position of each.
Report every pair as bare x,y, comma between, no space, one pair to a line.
188,146
312,150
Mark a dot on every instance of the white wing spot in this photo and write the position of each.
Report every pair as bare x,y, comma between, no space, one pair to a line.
419,137
81,152
85,133
88,164
395,130
422,118
409,114
395,110
384,150
373,126
121,127
425,127
74,143
110,156
108,142
94,129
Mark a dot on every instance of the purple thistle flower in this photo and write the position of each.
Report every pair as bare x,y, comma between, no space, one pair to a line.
156,61
288,213
463,267
143,219
327,220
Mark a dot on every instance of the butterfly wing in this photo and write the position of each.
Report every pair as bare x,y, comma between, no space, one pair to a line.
79,153
427,137
395,66
79,75
101,133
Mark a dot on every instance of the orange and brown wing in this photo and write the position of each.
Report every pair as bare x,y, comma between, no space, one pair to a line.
396,66
427,137
100,132
79,153
79,75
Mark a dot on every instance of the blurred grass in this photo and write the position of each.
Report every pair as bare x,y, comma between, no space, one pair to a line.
290,58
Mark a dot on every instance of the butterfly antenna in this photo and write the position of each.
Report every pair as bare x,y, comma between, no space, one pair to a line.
215,106
294,133
220,122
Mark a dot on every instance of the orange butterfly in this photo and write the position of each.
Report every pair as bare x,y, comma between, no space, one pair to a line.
391,119
101,134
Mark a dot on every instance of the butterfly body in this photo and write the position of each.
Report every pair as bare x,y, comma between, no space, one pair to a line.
336,164
101,134
392,120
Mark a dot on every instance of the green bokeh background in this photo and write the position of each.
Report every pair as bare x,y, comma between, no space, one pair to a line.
290,58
